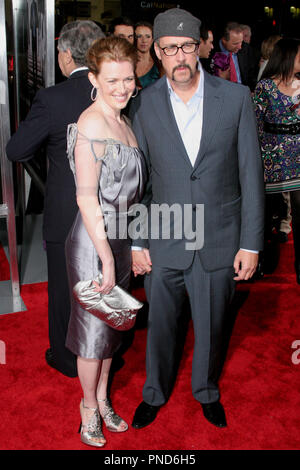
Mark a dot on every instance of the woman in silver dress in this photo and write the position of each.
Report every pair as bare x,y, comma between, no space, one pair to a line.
109,172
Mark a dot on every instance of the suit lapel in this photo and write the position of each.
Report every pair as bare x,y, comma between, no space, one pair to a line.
165,114
212,104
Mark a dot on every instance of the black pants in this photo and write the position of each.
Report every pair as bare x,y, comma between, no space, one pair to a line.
59,308
276,210
295,210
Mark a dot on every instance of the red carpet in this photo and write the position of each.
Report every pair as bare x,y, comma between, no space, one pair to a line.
260,384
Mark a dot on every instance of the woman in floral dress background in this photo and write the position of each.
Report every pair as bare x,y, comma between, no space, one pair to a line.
277,106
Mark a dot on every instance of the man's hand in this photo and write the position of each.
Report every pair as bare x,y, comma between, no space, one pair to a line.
245,264
141,262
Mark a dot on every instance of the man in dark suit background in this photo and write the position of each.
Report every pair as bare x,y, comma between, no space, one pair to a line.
206,46
199,136
122,27
46,124
244,63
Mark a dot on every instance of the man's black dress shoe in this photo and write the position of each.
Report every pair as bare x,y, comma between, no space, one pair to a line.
214,413
49,358
144,415
51,362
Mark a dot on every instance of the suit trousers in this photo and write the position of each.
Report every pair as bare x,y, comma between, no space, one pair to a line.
59,308
210,295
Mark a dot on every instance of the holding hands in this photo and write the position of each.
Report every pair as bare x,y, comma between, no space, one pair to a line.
141,262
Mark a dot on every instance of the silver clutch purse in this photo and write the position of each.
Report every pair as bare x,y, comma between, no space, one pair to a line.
118,308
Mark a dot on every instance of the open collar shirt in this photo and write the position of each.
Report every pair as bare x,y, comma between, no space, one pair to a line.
189,117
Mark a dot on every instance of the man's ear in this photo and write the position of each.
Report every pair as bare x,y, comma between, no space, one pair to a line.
68,56
157,50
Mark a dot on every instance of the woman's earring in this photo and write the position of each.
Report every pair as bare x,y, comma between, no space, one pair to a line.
136,92
94,93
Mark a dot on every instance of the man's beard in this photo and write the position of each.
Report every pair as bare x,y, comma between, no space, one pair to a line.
180,66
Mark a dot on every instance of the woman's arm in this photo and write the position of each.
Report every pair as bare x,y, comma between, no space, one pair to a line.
87,187
260,101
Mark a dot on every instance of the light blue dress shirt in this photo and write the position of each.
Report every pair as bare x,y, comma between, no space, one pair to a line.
189,118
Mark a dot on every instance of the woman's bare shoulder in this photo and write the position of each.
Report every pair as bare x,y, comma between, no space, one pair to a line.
92,124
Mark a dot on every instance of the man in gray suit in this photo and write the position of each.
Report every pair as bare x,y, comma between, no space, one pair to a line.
198,134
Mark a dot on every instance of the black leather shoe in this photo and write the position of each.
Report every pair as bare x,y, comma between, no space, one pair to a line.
49,358
51,362
215,414
144,415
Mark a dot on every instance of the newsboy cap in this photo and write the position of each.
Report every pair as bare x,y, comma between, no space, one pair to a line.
176,22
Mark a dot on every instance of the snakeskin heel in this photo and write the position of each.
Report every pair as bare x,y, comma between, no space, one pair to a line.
91,432
113,422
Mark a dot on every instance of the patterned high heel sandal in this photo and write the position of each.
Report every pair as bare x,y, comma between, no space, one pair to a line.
113,422
91,433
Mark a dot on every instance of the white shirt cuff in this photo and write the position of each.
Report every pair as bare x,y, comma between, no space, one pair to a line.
250,251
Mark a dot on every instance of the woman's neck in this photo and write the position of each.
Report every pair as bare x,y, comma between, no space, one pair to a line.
287,82
289,87
145,63
110,112
144,56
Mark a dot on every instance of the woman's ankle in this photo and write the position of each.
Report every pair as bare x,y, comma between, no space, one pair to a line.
89,402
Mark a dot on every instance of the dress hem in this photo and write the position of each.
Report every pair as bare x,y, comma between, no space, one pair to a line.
282,186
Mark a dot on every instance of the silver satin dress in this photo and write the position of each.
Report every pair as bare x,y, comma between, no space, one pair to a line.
121,182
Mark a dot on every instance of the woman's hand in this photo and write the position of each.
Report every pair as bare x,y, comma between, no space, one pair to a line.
108,277
141,262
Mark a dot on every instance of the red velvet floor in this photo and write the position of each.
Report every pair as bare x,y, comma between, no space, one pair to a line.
260,383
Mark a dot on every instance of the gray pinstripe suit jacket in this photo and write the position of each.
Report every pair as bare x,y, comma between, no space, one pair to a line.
227,176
